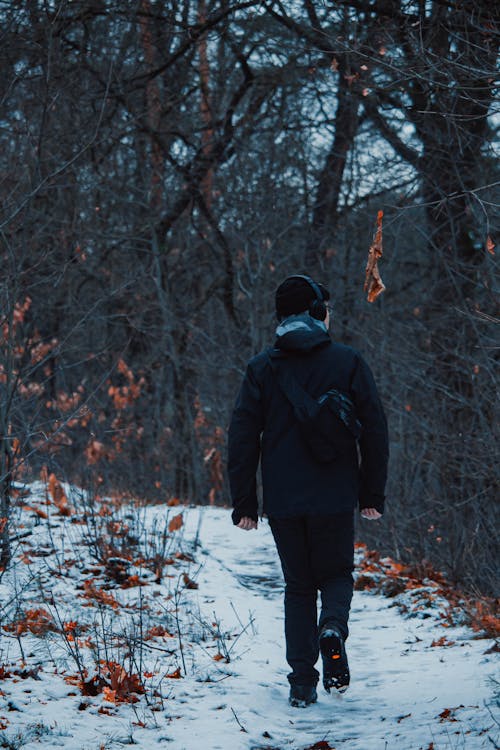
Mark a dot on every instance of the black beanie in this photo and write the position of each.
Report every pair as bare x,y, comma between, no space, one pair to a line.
294,296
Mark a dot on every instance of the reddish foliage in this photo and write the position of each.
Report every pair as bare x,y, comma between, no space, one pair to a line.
443,641
36,621
158,631
125,395
211,438
94,452
121,686
364,582
484,618
189,584
117,528
176,675
72,629
391,578
92,686
65,402
58,496
132,581
113,681
99,595
447,714
175,523
106,712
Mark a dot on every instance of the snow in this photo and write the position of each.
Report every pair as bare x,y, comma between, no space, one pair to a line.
405,694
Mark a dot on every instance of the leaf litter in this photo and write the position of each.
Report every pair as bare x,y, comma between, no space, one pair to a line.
97,653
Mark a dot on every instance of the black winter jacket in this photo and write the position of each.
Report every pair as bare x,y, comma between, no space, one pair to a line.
263,426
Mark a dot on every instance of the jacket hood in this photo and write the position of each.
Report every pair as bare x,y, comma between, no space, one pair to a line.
301,333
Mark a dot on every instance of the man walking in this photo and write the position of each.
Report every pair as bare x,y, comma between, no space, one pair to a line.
309,502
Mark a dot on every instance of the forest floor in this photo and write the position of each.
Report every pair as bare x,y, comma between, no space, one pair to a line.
163,627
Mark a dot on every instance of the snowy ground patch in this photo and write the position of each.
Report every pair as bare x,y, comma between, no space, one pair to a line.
163,627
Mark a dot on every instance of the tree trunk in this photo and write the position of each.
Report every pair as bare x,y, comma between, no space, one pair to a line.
325,215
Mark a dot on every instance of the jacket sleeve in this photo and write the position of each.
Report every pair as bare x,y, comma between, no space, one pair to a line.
374,440
244,448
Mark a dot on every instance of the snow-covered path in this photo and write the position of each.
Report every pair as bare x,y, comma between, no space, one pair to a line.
405,694
399,684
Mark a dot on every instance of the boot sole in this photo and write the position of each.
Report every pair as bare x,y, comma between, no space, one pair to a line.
301,703
335,666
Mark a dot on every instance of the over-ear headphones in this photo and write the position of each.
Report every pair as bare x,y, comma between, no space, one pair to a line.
317,308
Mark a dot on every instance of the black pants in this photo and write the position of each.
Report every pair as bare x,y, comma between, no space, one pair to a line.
316,553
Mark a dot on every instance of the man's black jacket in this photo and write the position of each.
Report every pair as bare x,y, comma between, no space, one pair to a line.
263,425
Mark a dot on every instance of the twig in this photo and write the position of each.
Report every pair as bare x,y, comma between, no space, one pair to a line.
237,638
144,644
237,615
179,635
239,722
487,706
20,536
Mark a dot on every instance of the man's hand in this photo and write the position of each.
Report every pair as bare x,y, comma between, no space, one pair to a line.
247,523
371,513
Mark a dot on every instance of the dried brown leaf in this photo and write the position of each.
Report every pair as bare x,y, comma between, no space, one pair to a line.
175,523
374,286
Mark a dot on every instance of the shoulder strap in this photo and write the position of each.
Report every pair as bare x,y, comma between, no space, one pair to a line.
296,395
302,401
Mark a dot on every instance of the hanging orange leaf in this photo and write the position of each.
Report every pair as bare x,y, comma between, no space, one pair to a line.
490,245
374,285
175,523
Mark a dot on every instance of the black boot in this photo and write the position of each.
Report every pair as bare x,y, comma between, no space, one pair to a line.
302,695
335,665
